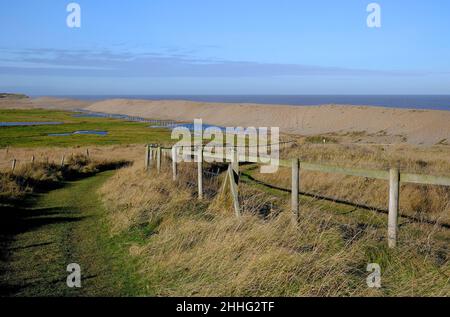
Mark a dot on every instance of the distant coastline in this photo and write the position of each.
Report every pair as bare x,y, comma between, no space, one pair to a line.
430,102
370,124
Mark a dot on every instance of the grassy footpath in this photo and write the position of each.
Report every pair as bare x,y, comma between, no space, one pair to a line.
66,225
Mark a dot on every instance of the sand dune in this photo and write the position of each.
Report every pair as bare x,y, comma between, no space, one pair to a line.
413,126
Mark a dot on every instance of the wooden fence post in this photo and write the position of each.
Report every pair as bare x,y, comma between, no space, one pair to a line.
87,153
151,156
174,163
32,160
295,188
200,171
13,166
158,159
233,174
394,189
235,160
147,157
62,160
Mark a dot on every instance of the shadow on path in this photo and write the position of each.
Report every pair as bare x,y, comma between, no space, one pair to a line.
46,232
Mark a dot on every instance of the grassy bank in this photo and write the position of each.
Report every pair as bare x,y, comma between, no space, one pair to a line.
200,248
40,177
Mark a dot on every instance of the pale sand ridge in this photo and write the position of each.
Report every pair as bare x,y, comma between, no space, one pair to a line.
417,126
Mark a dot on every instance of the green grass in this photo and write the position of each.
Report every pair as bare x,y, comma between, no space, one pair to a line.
66,225
119,131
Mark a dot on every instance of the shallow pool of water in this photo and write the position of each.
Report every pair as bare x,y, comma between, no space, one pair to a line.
26,124
84,132
189,126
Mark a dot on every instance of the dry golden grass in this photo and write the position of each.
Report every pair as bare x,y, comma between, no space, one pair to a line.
421,159
197,248
421,201
53,154
10,189
41,176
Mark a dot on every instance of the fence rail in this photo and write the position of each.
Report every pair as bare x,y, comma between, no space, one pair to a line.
422,179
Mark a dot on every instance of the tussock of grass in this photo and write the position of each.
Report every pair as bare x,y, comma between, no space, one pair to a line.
201,249
10,189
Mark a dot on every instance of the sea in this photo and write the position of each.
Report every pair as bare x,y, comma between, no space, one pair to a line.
435,102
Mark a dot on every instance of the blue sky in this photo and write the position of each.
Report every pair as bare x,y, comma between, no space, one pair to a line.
225,47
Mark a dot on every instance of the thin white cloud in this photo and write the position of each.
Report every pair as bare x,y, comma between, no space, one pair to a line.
103,62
